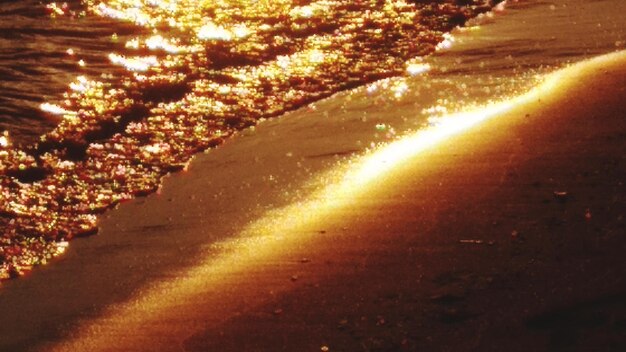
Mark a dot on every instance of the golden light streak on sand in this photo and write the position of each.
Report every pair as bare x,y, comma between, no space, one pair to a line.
274,234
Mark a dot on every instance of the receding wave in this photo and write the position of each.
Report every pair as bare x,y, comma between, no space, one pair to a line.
153,82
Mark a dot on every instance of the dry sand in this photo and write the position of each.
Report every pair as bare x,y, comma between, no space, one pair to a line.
391,269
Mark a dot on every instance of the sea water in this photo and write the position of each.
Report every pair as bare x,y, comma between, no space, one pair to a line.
100,99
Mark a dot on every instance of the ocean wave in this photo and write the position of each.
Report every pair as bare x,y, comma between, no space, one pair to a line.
153,82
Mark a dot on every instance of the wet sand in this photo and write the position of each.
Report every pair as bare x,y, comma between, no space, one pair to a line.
461,247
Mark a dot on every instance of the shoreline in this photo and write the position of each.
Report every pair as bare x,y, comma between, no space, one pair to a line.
376,272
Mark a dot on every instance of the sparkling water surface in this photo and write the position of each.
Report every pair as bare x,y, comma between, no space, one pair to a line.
100,99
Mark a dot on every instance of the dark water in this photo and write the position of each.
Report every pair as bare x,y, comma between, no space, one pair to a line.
35,66
101,99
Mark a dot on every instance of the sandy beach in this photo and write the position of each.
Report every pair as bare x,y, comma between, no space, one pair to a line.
506,235
463,247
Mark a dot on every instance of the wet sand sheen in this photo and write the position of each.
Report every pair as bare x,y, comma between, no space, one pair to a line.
404,228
